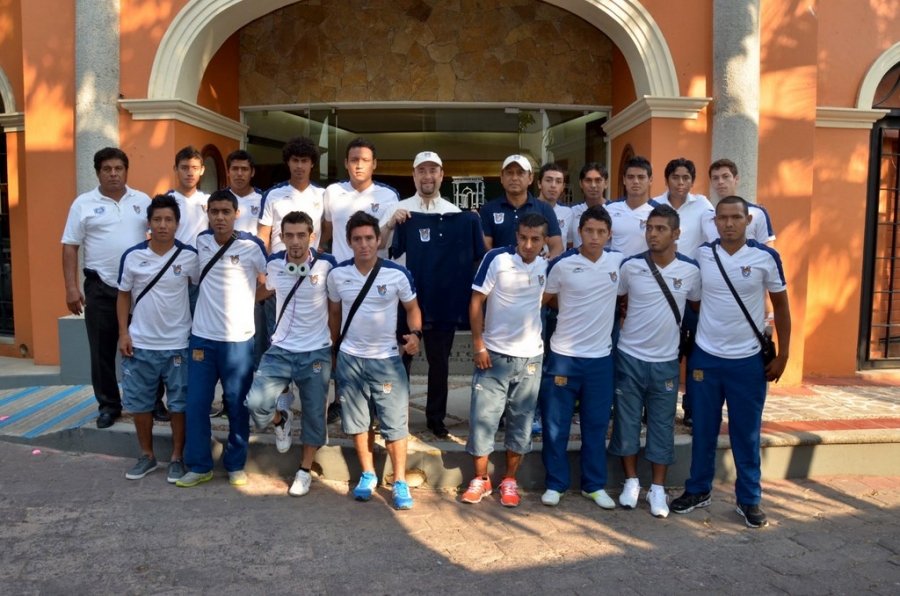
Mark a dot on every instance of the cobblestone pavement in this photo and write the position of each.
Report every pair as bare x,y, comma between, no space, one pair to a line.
71,524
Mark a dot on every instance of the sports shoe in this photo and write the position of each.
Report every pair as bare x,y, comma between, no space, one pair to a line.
283,431
193,479
600,498
478,489
688,418
659,506
509,493
629,497
688,501
367,483
550,498
536,427
237,478
402,498
576,418
145,464
300,487
753,515
285,400
334,412
176,471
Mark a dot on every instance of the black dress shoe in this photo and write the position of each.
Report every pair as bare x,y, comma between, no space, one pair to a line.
106,419
160,413
334,412
688,418
439,429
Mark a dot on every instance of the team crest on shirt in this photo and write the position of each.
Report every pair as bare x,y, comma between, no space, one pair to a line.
613,276
137,209
530,369
382,290
541,280
498,218
562,223
643,224
374,207
235,259
99,210
254,209
204,207
677,283
317,367
314,280
386,387
176,269
670,385
425,234
315,205
745,271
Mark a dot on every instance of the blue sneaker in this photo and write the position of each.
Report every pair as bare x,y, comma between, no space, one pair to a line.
367,483
402,498
536,427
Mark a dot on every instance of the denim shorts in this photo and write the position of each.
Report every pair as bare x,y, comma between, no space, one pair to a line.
510,384
364,383
650,385
141,374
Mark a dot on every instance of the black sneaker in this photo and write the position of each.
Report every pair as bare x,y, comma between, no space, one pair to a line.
688,501
753,515
334,412
688,418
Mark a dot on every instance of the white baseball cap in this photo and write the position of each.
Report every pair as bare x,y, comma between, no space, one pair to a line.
427,156
519,159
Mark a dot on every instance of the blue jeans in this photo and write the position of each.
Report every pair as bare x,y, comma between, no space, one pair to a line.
741,384
590,381
690,321
212,361
141,374
379,383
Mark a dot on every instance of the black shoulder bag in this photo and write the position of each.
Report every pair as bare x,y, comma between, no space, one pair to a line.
157,278
216,257
362,295
686,340
767,346
291,294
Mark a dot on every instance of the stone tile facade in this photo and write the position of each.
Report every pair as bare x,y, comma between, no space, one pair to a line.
416,50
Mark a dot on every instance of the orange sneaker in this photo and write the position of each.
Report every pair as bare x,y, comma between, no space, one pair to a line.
509,493
478,489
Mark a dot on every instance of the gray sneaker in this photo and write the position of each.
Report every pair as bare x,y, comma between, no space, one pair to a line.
177,470
144,466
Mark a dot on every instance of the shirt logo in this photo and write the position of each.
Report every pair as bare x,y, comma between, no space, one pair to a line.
382,290
143,263
137,209
745,271
613,276
425,234
578,270
562,223
374,207
314,280
540,280
677,283
498,218
386,387
204,207
643,224
99,210
254,209
176,269
235,259
315,205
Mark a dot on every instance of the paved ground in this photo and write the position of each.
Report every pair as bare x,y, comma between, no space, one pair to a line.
70,524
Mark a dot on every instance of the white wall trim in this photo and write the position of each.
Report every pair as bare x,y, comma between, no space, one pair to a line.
886,61
681,108
14,122
183,111
827,117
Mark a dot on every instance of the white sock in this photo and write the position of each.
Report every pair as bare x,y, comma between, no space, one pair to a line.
658,487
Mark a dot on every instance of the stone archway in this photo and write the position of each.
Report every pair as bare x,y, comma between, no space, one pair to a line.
202,26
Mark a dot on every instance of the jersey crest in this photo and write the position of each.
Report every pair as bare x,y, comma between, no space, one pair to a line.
745,271
314,280
643,224
425,234
374,207
137,209
235,259
541,280
176,269
99,210
382,290
677,283
254,209
613,276
498,218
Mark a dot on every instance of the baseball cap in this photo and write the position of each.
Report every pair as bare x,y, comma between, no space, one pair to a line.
427,156
519,159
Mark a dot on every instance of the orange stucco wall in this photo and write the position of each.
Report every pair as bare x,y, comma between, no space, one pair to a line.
219,86
688,33
142,24
21,258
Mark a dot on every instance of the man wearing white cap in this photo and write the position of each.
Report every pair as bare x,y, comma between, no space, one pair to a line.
500,217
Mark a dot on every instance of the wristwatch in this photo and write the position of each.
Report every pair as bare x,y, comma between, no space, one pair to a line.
416,332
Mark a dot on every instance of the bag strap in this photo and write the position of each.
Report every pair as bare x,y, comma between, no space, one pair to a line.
664,287
217,256
362,295
759,336
158,277
291,294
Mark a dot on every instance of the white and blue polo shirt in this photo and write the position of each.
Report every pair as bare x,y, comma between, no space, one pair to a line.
692,215
248,212
342,201
193,216
629,226
760,228
283,198
304,325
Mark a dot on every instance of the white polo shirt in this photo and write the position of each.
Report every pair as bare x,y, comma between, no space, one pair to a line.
304,325
723,329
587,302
649,331
106,228
193,216
248,212
225,302
283,198
372,332
342,201
512,324
692,215
760,228
162,319
629,226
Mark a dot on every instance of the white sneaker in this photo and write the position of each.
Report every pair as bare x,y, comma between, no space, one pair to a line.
301,484
659,506
629,497
600,498
285,400
283,431
551,498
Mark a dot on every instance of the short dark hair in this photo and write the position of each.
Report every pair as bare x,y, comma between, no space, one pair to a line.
223,195
597,212
534,220
360,142
189,152
108,153
297,217
300,147
723,163
681,163
164,202
549,167
639,162
361,219
669,213
593,165
239,155
734,200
